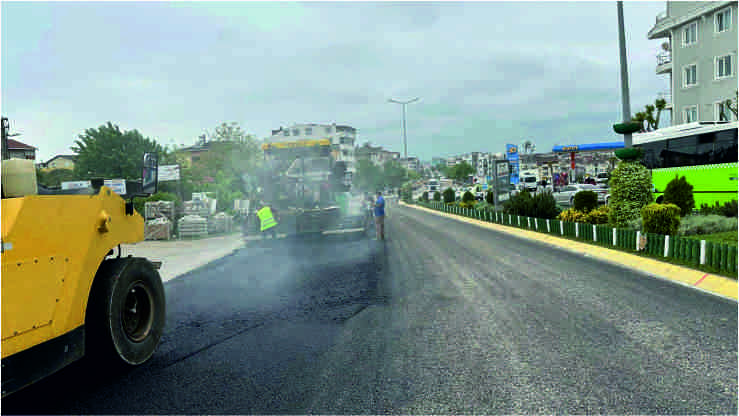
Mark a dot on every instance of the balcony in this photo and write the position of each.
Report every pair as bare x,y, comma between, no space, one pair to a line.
664,63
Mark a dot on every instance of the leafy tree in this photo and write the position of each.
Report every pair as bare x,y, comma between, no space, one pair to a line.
585,201
107,152
731,105
468,197
368,176
459,172
437,196
393,174
489,197
425,196
649,116
680,193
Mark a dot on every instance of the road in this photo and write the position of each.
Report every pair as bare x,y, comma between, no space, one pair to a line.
444,317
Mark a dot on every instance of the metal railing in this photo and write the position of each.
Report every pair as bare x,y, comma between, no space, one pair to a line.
664,58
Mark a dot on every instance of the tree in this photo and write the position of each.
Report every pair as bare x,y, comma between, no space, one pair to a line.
107,152
649,116
631,190
368,176
680,193
731,105
459,172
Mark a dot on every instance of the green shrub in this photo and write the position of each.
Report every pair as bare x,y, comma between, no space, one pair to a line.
598,215
425,196
468,197
680,193
706,224
661,218
631,189
543,206
728,209
634,225
449,195
519,204
585,201
571,215
489,198
437,196
467,204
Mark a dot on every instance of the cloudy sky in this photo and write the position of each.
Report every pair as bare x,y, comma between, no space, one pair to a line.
487,73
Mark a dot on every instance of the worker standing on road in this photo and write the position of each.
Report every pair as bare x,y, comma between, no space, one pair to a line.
267,221
380,216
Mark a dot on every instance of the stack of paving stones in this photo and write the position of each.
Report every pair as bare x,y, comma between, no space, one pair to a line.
191,226
220,223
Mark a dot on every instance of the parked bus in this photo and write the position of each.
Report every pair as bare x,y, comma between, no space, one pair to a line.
704,152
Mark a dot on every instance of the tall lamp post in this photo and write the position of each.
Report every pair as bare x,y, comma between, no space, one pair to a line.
626,107
405,142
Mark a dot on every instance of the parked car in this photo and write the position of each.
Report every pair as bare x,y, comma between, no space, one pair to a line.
566,194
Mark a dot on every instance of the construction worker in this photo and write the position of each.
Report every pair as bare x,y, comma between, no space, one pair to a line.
267,221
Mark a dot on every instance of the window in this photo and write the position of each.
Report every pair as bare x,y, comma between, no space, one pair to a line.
296,132
723,20
286,132
723,66
309,131
328,130
690,114
690,76
690,34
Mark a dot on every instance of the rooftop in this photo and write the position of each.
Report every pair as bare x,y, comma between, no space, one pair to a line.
16,145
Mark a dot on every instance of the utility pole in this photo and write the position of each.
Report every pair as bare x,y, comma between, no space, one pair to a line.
405,142
626,107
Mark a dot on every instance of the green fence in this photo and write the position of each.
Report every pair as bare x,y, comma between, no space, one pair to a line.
719,256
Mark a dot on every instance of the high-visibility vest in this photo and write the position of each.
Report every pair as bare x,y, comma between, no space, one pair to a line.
266,219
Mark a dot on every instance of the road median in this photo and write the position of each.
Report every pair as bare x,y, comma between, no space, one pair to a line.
696,279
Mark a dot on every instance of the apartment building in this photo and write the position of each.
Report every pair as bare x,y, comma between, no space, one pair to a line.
700,57
342,139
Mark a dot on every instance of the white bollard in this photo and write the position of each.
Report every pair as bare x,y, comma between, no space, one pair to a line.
519,220
667,245
562,228
577,229
536,224
638,237
614,236
528,222
595,234
703,251
549,229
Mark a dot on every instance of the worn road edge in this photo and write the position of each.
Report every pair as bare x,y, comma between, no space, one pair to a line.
695,279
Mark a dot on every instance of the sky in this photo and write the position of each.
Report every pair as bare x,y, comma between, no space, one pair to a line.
487,73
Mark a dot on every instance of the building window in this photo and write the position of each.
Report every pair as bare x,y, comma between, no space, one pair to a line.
690,34
723,66
286,132
722,112
690,114
690,76
296,132
328,130
309,131
723,20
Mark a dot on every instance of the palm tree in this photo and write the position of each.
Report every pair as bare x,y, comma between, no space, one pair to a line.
660,103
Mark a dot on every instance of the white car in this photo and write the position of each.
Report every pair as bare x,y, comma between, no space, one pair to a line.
566,194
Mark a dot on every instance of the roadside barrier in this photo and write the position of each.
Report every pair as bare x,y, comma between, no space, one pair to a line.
719,256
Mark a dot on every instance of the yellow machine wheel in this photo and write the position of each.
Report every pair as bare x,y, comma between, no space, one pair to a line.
126,312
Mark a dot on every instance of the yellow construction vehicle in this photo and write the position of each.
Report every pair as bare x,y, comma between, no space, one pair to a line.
66,290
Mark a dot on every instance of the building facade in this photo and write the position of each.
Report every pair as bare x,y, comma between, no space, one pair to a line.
342,139
59,162
18,150
699,57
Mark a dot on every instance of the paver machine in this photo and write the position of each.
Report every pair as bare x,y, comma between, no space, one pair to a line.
67,292
306,185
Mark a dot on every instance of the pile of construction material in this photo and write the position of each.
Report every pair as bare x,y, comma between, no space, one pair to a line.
158,229
220,223
191,226
159,209
197,207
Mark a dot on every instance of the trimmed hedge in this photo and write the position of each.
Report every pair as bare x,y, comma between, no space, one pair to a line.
661,218
585,201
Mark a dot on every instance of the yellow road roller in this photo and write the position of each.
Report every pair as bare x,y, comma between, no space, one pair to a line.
67,292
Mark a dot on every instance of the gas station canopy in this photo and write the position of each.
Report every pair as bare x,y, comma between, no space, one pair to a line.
588,147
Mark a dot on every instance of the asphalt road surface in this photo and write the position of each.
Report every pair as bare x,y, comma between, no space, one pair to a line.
444,317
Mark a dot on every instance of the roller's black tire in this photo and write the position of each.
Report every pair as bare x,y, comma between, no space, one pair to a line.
126,313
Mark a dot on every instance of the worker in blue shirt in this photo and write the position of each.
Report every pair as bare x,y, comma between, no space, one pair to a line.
380,216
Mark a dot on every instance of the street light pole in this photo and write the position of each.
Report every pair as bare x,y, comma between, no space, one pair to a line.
405,141
626,107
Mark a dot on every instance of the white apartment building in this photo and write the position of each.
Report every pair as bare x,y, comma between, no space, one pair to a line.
700,57
342,139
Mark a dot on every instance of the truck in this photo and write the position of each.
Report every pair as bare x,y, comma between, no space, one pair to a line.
529,180
310,191
68,292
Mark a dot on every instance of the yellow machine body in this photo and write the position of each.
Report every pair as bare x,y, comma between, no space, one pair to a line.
52,246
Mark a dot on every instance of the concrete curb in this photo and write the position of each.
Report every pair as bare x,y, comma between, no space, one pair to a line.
719,286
